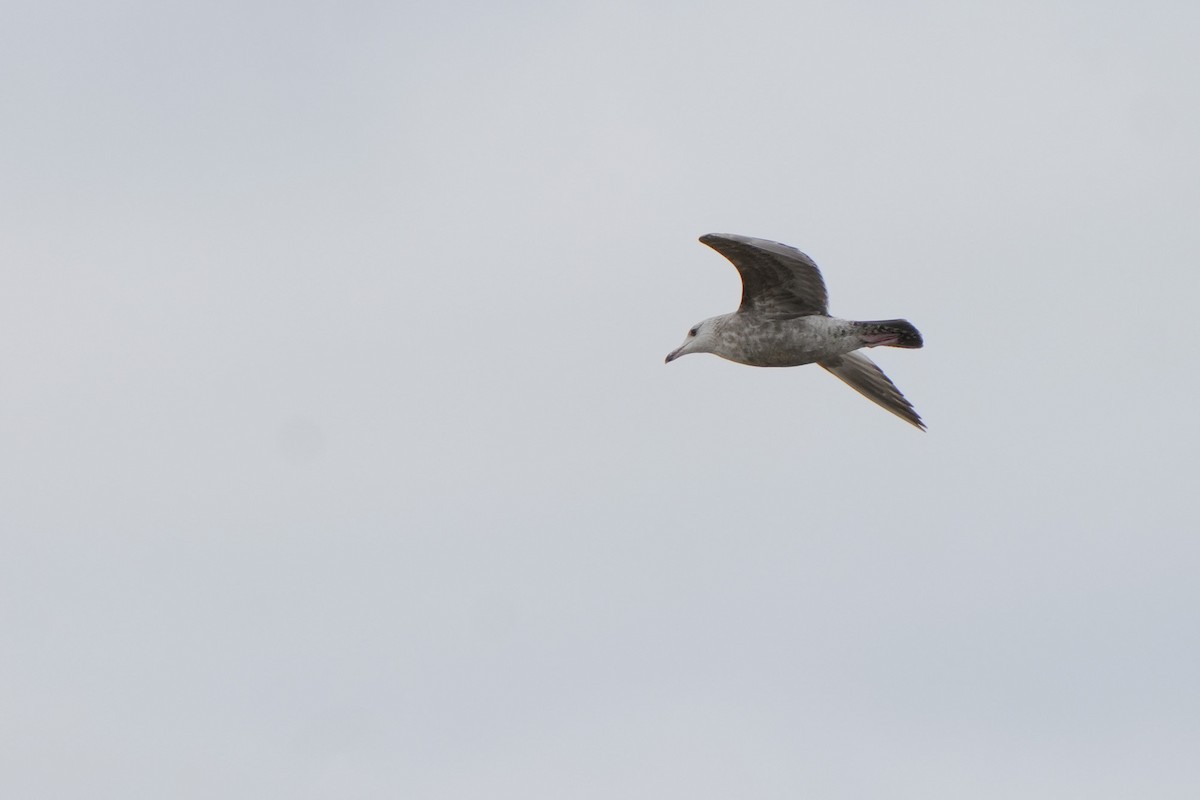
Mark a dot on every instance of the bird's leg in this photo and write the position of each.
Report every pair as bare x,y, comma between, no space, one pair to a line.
880,339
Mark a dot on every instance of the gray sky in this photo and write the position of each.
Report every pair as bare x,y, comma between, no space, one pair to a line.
338,457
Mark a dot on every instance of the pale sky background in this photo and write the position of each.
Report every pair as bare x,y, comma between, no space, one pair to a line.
338,458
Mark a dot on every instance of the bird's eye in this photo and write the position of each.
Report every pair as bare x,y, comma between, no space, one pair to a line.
692,332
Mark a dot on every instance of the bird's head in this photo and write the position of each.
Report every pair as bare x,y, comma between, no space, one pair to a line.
700,339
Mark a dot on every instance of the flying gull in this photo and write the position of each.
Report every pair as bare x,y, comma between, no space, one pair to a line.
784,321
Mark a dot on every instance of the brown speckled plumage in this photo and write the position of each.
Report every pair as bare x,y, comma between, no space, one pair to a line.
783,321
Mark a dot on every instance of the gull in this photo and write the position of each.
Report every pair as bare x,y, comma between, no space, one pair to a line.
784,321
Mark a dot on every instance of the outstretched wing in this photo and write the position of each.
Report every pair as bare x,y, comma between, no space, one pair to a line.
776,279
861,374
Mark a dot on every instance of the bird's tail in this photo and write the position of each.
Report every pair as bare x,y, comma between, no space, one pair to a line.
890,333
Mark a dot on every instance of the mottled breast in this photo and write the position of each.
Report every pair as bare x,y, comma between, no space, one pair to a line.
764,341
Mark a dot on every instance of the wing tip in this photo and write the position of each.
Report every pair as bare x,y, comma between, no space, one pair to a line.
865,377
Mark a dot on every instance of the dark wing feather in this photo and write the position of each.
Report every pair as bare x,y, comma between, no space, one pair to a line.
776,279
861,374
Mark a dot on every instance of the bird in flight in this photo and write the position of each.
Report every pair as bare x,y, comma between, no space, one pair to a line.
784,321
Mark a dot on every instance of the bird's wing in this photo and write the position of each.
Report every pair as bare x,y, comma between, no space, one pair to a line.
776,279
861,374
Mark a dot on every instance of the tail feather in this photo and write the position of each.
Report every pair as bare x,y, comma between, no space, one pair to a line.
891,333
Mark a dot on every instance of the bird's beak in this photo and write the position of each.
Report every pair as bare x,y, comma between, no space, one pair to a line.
671,356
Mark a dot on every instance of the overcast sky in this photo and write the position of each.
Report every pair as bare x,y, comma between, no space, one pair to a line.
338,458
